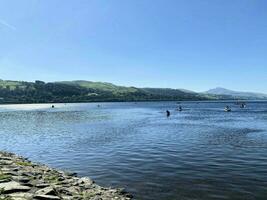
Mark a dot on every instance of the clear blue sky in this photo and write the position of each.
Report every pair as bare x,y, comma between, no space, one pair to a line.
192,44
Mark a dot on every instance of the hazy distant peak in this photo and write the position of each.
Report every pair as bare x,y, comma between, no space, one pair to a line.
224,91
220,90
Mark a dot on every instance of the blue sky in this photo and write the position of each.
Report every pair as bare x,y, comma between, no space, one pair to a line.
192,44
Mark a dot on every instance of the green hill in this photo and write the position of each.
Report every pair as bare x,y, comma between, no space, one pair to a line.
85,91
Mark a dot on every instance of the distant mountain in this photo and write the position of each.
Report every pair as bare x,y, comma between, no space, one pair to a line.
86,91
235,94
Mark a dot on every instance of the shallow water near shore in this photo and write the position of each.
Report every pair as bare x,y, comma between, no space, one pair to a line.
199,153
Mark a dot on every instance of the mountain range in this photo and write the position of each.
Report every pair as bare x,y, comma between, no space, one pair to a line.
88,91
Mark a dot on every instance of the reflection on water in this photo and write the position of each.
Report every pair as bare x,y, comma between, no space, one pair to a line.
200,153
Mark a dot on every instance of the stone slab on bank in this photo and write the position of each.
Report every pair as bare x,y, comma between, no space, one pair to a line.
21,179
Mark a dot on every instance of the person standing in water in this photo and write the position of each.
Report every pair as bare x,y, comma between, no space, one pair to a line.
168,113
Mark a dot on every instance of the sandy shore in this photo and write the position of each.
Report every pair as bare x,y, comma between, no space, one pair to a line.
20,179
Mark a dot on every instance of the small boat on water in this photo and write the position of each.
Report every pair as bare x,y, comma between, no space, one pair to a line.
227,109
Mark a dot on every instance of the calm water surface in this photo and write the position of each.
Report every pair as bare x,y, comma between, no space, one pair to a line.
200,153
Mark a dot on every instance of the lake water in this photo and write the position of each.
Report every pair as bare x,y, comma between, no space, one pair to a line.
199,153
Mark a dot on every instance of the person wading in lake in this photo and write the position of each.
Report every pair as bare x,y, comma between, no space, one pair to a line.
168,113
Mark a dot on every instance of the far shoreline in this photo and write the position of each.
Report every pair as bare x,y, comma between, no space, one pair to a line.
147,101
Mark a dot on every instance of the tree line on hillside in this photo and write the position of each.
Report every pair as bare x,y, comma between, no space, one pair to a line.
59,92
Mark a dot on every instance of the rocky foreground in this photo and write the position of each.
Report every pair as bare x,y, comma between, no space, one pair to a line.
21,179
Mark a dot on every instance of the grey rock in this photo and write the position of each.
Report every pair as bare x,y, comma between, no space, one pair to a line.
70,174
85,181
5,158
5,162
42,185
47,191
46,197
12,186
4,180
11,173
21,195
21,179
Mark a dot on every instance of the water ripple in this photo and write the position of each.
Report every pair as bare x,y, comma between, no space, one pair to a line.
200,153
